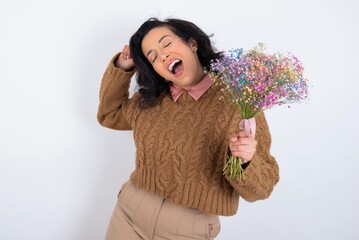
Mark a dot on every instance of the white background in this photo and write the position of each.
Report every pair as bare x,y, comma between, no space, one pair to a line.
60,171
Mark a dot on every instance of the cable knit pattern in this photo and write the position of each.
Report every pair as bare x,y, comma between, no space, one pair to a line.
181,147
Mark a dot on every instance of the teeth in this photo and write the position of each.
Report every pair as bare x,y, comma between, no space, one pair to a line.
170,68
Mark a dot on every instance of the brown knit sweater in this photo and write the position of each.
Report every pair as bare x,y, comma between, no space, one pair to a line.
181,147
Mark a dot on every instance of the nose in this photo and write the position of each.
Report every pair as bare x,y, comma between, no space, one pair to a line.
164,56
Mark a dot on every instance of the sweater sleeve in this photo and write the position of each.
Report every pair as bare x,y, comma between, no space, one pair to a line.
262,172
114,97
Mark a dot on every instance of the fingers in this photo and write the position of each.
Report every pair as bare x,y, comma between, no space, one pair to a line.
242,134
126,52
245,156
124,61
243,146
237,147
240,139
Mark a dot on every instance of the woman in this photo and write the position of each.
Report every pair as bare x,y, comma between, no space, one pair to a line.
183,134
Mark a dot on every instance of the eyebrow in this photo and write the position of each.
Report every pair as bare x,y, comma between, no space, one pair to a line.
159,41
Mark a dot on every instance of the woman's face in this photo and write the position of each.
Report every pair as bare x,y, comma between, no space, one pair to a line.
172,58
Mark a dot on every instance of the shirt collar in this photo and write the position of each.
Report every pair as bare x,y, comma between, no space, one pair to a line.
196,91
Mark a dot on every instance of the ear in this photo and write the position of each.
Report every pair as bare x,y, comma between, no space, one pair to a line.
193,44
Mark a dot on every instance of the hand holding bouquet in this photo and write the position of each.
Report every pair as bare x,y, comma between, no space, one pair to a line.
256,81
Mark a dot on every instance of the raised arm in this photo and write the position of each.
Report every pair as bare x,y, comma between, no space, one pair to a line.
114,94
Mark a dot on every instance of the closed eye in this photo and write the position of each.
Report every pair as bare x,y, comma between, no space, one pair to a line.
168,44
153,60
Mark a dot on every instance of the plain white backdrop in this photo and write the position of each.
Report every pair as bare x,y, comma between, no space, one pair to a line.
60,171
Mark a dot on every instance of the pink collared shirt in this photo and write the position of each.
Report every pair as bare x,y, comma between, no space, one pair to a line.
196,91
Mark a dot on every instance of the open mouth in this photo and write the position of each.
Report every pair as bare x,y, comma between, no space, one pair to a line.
175,67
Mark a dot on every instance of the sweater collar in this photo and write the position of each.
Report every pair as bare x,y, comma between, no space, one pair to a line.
196,91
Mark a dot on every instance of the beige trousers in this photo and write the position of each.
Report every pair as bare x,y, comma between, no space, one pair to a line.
144,215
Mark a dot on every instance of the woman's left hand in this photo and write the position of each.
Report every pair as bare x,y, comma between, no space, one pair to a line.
243,146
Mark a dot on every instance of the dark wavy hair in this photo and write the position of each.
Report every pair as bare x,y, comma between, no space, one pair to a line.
151,85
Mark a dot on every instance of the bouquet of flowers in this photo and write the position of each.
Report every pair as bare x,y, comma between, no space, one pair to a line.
256,81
